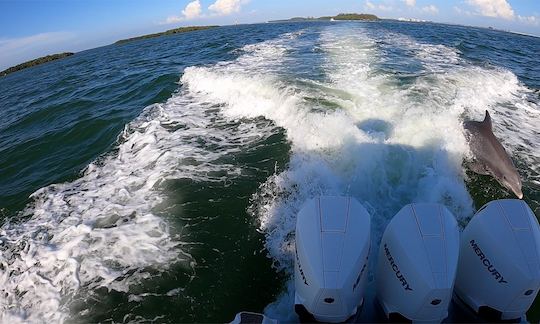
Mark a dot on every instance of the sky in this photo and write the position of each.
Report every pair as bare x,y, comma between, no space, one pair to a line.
34,28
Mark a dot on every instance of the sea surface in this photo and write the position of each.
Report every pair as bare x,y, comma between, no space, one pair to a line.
159,180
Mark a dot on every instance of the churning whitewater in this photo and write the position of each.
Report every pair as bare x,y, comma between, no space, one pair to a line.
356,130
375,114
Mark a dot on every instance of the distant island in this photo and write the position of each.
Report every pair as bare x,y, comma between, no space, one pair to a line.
168,32
53,57
35,62
341,16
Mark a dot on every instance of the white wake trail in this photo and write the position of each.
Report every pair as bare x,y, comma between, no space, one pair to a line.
380,145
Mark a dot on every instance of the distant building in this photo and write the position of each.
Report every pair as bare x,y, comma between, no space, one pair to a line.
411,19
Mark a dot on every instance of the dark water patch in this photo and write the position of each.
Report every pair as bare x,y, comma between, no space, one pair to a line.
52,157
484,188
376,127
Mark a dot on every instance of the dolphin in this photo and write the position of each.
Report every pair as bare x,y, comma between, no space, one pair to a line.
490,157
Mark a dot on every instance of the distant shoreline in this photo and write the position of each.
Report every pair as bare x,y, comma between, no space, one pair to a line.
34,62
341,16
54,57
168,32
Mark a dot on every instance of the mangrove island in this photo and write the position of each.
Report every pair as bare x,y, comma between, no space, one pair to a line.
38,61
53,57
168,32
341,16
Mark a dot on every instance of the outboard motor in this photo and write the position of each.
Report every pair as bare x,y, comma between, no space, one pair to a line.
332,248
417,263
499,264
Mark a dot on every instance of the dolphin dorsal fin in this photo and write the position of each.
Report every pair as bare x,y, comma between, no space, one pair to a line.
487,120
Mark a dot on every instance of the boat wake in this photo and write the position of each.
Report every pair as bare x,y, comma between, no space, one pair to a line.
357,124
360,129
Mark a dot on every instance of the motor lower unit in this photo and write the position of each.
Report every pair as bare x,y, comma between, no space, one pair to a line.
499,262
417,262
332,249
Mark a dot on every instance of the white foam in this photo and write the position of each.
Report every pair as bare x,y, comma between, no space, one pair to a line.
474,89
102,230
470,90
384,143
381,145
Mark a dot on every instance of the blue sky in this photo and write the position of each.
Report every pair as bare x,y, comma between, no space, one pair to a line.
33,28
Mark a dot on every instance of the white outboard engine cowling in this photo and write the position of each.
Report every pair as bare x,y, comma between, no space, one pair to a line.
332,248
499,263
417,263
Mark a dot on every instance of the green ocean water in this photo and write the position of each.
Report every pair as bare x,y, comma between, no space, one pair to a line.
159,180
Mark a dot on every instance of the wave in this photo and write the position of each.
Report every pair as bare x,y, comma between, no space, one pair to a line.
106,229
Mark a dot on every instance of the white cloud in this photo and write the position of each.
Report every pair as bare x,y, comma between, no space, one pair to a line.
18,50
431,9
462,11
371,6
227,7
493,8
529,20
410,3
22,43
171,20
193,10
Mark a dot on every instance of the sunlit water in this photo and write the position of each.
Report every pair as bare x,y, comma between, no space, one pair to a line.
165,175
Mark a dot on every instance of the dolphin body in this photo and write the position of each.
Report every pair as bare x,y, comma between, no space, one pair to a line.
490,157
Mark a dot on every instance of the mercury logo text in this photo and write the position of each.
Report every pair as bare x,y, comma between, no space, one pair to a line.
487,263
395,268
